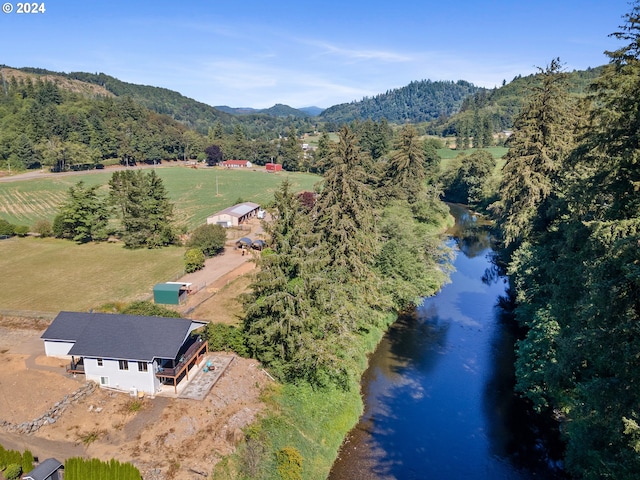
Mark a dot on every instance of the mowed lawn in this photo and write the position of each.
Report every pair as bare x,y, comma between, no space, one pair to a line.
196,193
49,275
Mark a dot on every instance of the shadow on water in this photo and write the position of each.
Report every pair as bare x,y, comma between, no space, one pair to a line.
530,442
439,396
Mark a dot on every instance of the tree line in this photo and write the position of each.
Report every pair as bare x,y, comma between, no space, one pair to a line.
365,247
568,211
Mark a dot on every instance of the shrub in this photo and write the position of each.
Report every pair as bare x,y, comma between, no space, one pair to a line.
59,228
193,260
209,238
223,337
77,468
289,463
27,461
44,228
150,309
13,471
6,228
21,230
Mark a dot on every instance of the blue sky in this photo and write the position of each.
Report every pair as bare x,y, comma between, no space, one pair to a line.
256,53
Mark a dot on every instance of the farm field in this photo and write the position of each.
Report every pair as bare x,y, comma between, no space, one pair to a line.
196,193
448,154
49,275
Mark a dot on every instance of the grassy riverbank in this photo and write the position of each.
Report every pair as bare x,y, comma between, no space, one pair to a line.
313,421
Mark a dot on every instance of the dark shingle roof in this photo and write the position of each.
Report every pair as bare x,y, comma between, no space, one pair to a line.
44,470
127,337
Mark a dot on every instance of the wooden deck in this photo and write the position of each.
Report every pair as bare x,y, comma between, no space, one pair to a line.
76,366
194,354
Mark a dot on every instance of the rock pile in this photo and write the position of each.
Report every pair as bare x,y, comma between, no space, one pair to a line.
51,415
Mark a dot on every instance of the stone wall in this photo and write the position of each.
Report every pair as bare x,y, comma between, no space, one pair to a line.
51,415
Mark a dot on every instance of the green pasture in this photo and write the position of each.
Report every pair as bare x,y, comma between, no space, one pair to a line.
196,193
49,275
448,154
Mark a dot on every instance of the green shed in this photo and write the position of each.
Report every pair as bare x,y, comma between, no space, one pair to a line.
170,293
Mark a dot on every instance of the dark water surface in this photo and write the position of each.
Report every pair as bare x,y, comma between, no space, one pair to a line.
439,401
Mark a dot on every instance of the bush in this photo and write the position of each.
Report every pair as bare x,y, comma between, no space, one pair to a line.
223,337
44,228
289,463
149,309
21,230
77,468
13,471
7,228
58,228
193,260
209,238
27,461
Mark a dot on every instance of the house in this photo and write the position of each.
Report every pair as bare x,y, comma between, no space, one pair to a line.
235,215
49,469
273,167
130,353
236,164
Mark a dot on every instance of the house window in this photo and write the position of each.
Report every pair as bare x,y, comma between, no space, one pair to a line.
123,364
142,366
99,362
104,381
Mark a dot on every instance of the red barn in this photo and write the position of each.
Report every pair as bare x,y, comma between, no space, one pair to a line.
273,167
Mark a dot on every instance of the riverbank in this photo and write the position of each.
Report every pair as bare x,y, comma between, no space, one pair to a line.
313,421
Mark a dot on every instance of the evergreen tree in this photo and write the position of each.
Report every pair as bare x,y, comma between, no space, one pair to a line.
283,320
291,151
143,207
83,217
345,210
576,278
544,133
405,177
322,154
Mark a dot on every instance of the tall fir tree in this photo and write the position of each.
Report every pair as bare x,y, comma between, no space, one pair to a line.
543,135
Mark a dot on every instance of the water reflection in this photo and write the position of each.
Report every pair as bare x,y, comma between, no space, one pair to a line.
439,389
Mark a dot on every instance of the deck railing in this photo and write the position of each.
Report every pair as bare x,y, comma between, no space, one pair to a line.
199,348
75,367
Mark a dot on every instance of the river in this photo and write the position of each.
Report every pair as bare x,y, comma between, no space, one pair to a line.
439,400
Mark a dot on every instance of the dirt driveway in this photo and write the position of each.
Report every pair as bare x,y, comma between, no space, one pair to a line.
166,438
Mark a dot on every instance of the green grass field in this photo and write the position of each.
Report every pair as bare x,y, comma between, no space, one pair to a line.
49,275
196,193
447,154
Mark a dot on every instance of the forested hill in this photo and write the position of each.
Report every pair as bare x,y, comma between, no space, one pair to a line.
420,101
44,122
191,113
501,105
278,110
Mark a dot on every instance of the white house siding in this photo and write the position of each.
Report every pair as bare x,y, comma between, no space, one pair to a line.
223,218
57,349
125,380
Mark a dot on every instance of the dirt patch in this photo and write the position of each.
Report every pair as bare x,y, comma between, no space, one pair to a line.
166,438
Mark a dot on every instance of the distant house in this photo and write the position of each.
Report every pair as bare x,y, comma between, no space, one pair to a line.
236,164
273,167
234,216
49,469
126,352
